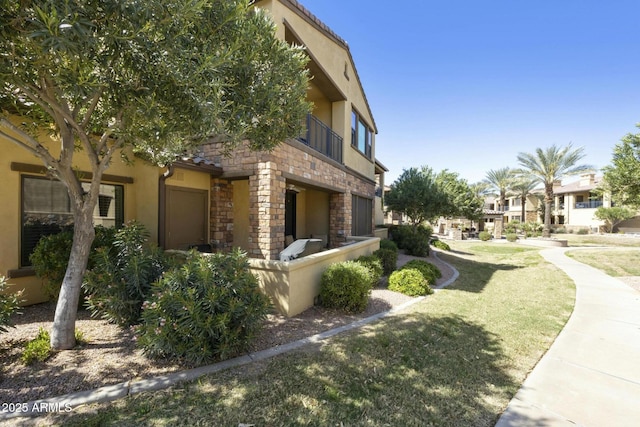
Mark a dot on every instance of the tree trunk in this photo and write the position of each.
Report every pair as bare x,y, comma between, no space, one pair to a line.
523,202
63,331
548,197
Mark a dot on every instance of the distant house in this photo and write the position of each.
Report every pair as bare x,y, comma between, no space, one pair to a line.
575,205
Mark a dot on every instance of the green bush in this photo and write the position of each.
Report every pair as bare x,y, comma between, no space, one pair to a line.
512,237
583,231
428,270
388,258
346,286
484,236
374,265
38,349
410,282
9,304
441,245
209,309
122,276
51,255
559,230
512,227
399,234
388,244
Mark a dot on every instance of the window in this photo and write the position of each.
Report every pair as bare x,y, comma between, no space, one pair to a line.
361,137
361,216
516,202
46,209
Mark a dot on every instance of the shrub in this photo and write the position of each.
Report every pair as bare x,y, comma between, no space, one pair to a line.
512,226
51,255
374,265
410,282
441,245
346,286
583,231
399,234
484,236
512,237
9,304
38,349
560,230
209,309
388,258
122,276
388,244
428,270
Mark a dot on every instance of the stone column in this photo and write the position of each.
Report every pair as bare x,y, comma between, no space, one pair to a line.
339,218
221,214
267,211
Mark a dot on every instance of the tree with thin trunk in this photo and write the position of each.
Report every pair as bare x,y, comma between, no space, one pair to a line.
549,165
499,181
622,176
522,186
153,78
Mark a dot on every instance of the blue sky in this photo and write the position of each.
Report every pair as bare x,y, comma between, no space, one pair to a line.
466,85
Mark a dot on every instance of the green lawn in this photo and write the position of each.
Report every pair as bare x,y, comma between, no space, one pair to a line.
599,239
455,359
614,262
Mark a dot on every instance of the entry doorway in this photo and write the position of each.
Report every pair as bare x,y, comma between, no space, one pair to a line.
186,214
290,214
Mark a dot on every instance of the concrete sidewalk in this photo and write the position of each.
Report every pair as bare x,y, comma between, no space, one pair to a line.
591,374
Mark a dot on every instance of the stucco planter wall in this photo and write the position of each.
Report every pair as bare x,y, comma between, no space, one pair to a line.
544,242
294,285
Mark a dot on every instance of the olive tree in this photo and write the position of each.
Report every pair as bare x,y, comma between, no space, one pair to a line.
149,77
622,177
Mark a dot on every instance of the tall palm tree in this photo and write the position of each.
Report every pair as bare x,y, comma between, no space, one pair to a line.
522,187
549,165
499,181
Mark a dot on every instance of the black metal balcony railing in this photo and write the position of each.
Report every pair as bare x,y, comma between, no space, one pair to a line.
591,204
321,138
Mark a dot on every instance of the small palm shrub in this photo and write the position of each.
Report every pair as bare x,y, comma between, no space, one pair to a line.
388,244
388,259
512,237
209,309
409,281
9,304
428,270
346,286
484,236
122,276
51,255
441,245
374,265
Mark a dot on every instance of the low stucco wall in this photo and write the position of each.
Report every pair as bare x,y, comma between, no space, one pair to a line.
544,242
382,233
293,286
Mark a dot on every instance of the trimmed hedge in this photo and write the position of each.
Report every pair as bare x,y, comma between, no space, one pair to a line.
410,282
374,265
388,259
428,270
346,286
484,236
441,245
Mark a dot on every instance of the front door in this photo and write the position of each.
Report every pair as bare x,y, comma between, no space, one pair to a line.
290,214
186,217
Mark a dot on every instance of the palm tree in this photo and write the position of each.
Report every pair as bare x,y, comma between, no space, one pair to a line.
499,181
522,187
550,165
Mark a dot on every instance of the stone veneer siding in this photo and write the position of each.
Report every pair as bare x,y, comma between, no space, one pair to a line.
268,173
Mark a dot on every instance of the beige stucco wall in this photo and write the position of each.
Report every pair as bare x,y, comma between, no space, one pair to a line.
293,286
317,213
335,60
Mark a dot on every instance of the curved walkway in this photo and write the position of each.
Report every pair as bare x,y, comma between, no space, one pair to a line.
591,374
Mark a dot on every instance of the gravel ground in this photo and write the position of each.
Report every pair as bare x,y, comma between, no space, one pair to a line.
110,355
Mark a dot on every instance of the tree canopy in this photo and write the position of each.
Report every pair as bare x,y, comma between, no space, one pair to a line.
613,216
549,165
622,177
423,195
156,76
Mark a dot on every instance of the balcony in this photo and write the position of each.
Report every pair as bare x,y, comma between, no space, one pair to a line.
321,138
591,204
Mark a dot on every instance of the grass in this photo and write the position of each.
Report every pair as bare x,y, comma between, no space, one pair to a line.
598,239
614,262
454,359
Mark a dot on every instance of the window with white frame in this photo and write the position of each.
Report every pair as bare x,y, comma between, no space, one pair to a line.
361,135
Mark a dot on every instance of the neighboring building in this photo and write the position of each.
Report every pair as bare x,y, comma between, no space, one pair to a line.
322,184
513,208
575,205
379,201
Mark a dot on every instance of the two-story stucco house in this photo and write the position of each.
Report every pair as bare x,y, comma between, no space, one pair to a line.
321,184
